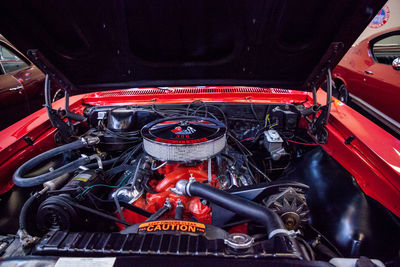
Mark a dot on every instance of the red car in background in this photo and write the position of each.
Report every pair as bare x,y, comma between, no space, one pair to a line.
21,85
369,75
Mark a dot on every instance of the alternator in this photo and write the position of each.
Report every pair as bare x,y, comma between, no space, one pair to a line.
291,206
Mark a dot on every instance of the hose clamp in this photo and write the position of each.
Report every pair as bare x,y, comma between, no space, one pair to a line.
182,186
92,157
26,239
191,181
85,156
179,203
90,140
98,159
167,204
279,231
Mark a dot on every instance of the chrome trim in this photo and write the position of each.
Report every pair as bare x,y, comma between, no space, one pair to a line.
385,119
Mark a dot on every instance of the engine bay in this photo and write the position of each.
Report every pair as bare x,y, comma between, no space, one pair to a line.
198,179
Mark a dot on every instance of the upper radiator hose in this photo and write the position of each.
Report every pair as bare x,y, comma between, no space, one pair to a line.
25,168
241,206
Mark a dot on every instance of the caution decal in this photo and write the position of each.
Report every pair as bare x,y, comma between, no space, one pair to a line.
171,225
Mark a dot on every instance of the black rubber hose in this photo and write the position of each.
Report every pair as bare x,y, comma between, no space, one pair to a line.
241,206
25,168
105,163
24,210
99,213
156,215
179,212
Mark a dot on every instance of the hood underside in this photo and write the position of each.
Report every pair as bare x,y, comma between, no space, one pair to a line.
118,44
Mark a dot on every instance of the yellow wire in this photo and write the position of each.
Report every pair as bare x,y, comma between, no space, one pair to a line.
273,125
266,120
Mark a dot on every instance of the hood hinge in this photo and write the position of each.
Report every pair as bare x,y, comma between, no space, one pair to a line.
326,63
55,75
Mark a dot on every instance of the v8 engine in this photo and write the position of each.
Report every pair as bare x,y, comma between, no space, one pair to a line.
176,148
198,179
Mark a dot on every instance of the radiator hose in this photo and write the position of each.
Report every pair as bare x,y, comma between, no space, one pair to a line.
241,206
26,168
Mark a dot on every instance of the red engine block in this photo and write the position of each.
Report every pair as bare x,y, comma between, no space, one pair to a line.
172,174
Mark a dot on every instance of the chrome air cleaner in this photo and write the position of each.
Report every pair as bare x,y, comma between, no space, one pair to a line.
183,139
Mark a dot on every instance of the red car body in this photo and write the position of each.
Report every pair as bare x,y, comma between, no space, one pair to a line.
374,162
375,86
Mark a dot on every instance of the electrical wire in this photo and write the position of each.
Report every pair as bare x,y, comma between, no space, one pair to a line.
258,170
129,153
252,109
226,177
117,203
259,133
194,113
136,173
190,111
96,212
249,169
122,204
216,107
300,143
246,139
267,120
126,135
105,185
194,102
153,108
241,146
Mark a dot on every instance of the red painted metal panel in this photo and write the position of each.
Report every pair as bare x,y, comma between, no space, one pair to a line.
373,157
14,150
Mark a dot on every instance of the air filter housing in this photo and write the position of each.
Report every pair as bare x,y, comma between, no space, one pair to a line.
183,139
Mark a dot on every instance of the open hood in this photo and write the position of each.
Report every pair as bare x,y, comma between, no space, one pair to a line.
95,45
